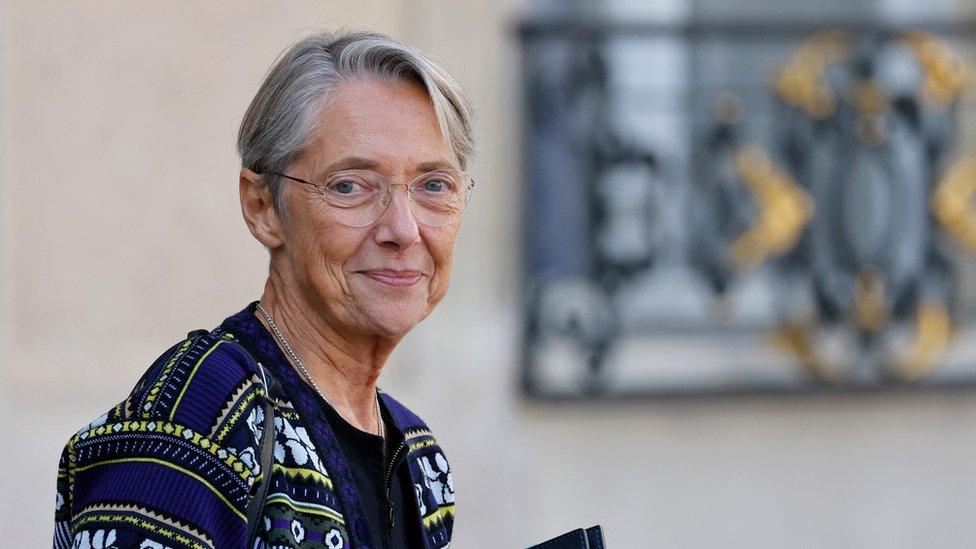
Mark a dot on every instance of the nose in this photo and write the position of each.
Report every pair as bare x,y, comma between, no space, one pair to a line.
397,227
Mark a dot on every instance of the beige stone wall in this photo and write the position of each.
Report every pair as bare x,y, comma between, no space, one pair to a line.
120,232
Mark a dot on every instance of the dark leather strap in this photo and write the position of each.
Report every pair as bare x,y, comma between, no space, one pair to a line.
259,490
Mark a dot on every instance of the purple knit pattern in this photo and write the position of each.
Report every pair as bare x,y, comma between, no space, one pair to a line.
251,333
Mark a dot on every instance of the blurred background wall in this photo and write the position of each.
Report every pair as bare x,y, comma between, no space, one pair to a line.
120,231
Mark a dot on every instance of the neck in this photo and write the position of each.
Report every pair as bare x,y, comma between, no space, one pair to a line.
344,368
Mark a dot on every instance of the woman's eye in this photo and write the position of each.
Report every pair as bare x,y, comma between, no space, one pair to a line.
435,186
344,187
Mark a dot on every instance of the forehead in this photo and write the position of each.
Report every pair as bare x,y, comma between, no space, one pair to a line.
392,123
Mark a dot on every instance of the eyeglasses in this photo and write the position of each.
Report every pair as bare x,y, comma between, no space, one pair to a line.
359,197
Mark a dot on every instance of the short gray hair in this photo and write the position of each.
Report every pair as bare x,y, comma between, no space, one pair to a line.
280,121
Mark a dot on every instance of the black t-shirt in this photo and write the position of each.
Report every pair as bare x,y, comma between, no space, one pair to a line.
382,504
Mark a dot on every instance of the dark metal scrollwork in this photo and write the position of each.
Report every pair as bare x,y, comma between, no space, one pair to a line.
851,202
864,126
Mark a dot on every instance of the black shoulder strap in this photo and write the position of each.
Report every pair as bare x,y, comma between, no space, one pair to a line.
259,490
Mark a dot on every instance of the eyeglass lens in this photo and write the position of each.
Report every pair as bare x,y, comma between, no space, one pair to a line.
359,198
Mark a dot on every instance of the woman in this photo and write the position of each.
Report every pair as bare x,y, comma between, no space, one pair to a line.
353,153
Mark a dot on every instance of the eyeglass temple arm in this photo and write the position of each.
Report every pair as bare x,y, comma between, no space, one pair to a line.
296,179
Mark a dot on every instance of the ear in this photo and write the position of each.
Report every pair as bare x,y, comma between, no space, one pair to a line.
259,211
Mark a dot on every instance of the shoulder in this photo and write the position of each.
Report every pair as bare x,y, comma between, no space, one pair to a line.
405,418
189,426
434,481
196,383
193,383
415,431
206,384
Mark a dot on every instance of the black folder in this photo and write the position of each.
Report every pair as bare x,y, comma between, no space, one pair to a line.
591,538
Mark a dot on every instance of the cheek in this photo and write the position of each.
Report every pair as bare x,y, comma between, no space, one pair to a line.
440,282
322,248
442,253
334,250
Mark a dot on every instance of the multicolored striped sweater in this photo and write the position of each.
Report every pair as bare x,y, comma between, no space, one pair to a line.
176,463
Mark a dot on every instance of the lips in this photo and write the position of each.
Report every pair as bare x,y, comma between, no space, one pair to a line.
392,277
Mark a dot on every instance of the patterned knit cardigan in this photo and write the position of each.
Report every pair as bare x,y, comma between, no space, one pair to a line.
176,463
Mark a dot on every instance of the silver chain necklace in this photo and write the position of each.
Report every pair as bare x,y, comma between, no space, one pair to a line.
308,376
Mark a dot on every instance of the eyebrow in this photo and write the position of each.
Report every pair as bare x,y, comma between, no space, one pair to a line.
352,163
434,166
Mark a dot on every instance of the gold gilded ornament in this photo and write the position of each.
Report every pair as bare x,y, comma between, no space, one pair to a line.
933,330
796,338
952,202
870,308
946,75
802,83
785,209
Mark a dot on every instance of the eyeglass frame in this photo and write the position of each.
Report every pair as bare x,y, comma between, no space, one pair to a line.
466,191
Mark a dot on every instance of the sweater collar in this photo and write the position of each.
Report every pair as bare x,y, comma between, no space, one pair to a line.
249,331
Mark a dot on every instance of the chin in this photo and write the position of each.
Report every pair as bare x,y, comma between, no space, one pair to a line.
393,330
396,325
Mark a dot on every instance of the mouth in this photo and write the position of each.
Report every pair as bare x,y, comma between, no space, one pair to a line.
394,278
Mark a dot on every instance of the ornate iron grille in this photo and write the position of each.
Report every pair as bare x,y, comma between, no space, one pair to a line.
773,208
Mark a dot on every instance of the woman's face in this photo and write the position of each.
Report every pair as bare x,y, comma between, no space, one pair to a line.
384,278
